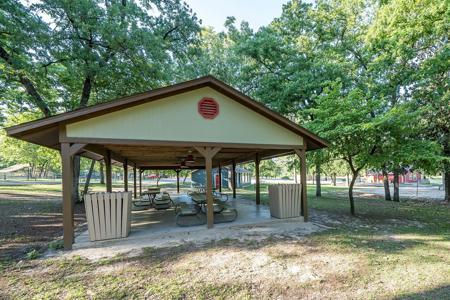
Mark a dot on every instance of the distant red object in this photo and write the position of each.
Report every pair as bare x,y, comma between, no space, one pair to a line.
408,177
208,108
152,176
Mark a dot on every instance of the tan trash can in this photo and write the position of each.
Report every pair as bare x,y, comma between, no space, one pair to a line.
285,200
108,215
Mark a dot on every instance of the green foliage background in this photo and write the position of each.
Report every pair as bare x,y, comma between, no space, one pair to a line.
370,76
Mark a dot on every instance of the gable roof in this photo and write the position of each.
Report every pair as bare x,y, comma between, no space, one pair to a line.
20,131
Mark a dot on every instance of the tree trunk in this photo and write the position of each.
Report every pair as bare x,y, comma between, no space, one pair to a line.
333,179
86,92
27,84
88,178
185,176
396,186
350,193
102,173
76,177
295,175
313,177
41,171
447,185
446,172
318,187
387,191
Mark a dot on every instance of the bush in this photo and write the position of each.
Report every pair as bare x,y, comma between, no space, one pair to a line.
33,254
56,245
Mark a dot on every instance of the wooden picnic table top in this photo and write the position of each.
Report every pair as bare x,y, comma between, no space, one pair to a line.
152,191
201,199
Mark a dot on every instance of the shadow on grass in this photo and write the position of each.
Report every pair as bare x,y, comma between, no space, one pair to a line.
27,225
380,226
442,292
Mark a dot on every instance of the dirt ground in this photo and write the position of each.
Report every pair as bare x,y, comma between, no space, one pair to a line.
30,222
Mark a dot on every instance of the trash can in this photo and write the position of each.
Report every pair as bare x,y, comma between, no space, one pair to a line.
285,200
108,215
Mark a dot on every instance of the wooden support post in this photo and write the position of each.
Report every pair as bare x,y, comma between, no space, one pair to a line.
67,175
108,170
125,175
67,153
140,182
208,153
220,178
304,204
257,184
134,181
233,178
178,181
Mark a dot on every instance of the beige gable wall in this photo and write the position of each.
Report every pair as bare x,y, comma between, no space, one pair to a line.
176,119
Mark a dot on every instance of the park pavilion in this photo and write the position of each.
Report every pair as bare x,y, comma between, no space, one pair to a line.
204,119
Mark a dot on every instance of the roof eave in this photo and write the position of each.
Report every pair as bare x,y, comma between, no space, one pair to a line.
20,130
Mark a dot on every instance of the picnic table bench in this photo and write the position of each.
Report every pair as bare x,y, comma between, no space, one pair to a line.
195,214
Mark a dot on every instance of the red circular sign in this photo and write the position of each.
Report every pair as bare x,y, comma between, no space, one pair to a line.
208,108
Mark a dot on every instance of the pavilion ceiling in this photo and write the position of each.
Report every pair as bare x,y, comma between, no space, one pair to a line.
172,156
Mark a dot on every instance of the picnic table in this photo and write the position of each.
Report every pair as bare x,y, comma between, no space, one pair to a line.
199,199
151,194
195,214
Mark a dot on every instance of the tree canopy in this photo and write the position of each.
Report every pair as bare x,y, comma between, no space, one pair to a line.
372,77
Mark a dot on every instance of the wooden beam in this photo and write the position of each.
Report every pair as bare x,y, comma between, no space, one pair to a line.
74,148
140,182
125,175
304,201
178,181
208,153
233,178
67,153
220,178
101,150
111,141
108,171
263,154
209,196
257,183
134,181
174,167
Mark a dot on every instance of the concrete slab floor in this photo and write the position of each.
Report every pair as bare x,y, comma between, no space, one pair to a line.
152,228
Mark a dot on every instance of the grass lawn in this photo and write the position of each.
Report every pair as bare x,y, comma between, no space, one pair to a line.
388,251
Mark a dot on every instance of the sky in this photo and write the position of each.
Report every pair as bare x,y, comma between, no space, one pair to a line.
257,12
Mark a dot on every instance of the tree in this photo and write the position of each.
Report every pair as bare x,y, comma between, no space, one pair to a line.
269,168
345,120
14,151
185,174
411,63
403,146
334,167
91,52
88,178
